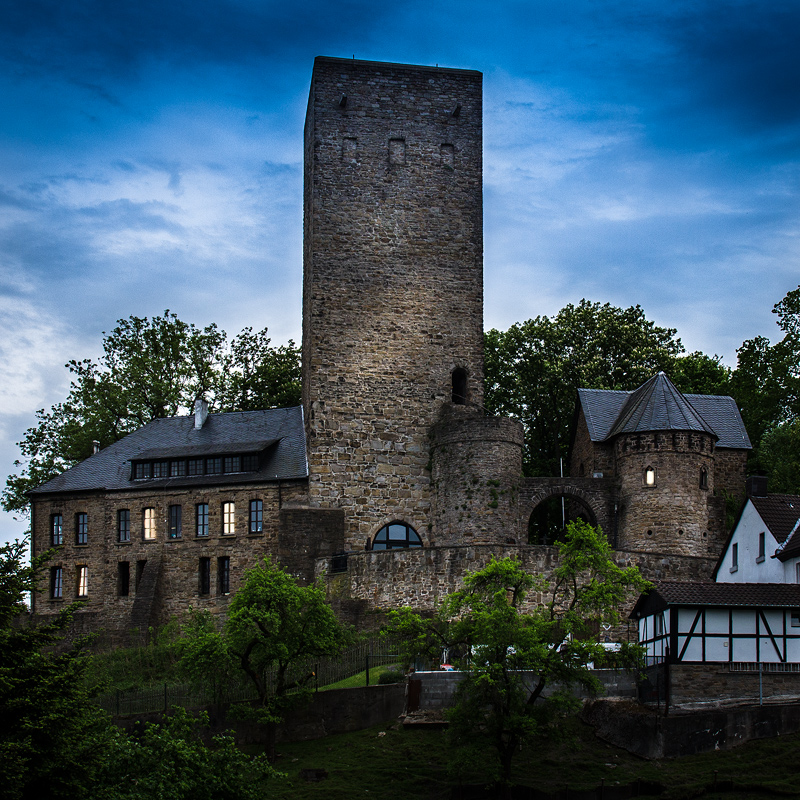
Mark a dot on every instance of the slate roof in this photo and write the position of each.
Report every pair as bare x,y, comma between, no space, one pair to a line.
277,431
706,593
657,406
781,514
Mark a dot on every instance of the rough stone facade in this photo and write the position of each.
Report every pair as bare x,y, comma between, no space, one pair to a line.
393,281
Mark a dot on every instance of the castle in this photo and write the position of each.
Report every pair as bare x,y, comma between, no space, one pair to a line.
390,482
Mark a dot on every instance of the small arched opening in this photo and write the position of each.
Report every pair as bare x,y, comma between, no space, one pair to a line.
396,535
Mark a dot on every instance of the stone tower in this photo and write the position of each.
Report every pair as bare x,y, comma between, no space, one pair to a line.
393,281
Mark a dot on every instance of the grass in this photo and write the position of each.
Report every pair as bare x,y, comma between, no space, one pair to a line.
388,761
360,679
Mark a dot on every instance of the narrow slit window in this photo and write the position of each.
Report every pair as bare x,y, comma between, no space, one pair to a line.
123,578
83,581
459,386
224,574
204,576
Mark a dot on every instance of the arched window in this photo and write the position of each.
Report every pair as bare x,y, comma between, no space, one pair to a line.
396,535
459,378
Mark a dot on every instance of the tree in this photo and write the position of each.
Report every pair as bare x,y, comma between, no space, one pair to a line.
511,652
275,628
534,369
151,368
779,457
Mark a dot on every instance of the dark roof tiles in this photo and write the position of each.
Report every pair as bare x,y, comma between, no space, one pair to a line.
236,432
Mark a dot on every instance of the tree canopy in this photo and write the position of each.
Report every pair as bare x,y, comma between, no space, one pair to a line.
151,368
534,369
511,655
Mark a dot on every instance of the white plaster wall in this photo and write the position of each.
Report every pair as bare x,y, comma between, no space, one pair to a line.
770,570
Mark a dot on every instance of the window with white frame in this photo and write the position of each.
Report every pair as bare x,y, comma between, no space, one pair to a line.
83,580
228,519
149,523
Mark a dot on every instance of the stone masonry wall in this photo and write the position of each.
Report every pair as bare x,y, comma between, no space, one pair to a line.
591,456
671,516
421,577
176,584
476,474
393,280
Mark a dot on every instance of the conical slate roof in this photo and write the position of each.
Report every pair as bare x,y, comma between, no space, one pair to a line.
658,406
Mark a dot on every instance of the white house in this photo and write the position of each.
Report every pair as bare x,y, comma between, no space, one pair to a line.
764,546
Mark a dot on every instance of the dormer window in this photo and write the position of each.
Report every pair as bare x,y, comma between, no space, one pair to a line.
649,476
148,469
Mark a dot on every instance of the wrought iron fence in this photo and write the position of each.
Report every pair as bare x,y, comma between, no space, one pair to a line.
358,665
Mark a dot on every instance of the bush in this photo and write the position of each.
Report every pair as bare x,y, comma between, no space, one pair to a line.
391,676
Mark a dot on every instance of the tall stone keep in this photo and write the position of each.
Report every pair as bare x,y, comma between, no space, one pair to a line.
393,281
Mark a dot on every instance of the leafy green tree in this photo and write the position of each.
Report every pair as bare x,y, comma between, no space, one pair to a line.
274,631
534,369
779,457
511,652
151,368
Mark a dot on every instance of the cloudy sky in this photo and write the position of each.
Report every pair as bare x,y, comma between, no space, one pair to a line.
151,158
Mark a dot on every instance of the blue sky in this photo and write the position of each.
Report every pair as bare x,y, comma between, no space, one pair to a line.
151,158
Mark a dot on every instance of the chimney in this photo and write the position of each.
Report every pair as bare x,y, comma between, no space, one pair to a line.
757,486
95,447
200,413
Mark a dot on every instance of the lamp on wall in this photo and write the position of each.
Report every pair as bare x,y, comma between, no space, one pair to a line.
650,477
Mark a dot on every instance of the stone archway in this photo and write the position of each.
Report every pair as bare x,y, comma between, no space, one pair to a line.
591,498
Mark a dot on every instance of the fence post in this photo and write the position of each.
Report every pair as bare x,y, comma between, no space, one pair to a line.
367,669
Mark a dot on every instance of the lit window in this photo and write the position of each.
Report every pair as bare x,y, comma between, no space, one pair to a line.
123,525
83,581
149,517
228,519
396,535
202,519
175,522
224,574
56,529
256,516
205,576
56,583
650,477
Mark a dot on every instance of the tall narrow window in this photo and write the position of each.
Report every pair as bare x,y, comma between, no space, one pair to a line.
175,514
224,574
124,525
83,580
228,519
149,523
704,478
256,516
56,582
56,529
201,519
123,578
734,557
205,576
82,528
762,547
459,381
650,477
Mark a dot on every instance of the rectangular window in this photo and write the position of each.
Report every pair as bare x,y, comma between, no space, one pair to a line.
56,530
83,580
734,557
82,528
56,583
149,523
228,519
123,578
177,469
224,574
233,464
175,515
123,525
762,547
194,466
202,519
213,466
249,463
795,621
204,576
160,469
143,470
256,516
